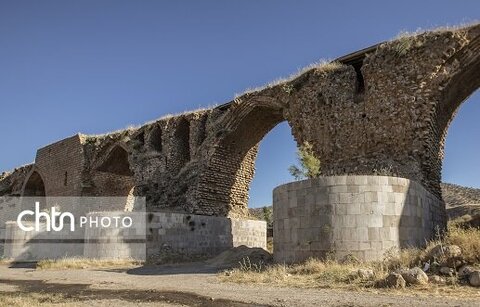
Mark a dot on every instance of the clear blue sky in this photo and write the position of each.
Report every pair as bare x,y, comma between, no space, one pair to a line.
96,66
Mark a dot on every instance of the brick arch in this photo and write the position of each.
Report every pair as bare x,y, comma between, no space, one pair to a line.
116,161
226,181
113,175
462,82
33,190
461,85
155,139
180,153
34,185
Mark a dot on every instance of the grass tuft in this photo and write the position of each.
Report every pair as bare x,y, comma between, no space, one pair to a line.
322,66
35,299
85,263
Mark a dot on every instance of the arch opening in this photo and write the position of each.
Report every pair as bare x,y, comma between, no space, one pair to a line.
460,168
180,153
454,92
232,166
114,178
155,139
35,187
116,162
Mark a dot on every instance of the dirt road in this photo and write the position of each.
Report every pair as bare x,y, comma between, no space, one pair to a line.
188,285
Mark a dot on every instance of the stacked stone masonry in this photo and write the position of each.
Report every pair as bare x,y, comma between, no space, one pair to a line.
170,235
363,216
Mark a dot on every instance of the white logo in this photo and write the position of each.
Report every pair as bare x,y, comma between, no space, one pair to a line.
54,216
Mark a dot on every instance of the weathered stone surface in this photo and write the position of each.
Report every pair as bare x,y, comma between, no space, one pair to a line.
394,280
365,273
465,271
474,279
415,276
445,251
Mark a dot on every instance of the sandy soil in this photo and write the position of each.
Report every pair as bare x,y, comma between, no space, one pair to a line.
192,285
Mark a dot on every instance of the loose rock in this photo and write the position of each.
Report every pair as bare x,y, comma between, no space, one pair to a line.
475,279
445,251
394,280
465,271
447,271
415,276
365,273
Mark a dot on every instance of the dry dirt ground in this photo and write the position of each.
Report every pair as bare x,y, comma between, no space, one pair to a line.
190,285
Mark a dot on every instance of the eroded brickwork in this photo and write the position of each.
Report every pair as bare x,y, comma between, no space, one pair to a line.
385,111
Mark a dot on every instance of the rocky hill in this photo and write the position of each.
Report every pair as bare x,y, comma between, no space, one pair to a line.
456,195
463,204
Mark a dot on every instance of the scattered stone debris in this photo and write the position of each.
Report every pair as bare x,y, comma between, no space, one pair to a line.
241,255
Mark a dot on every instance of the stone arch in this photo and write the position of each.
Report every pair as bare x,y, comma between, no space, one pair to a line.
114,176
230,169
461,84
116,162
180,149
34,186
33,190
155,139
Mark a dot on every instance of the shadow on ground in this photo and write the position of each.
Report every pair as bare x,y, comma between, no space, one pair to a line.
174,269
83,292
23,265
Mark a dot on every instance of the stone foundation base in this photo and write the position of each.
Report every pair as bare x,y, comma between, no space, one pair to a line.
198,235
359,215
166,234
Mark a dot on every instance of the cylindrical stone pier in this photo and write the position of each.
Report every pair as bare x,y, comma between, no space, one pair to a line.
363,216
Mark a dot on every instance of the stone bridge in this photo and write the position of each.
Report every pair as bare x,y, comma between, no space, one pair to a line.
384,110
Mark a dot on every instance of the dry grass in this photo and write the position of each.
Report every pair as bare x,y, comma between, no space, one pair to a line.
130,129
270,245
5,261
468,239
407,40
34,299
85,263
323,66
315,273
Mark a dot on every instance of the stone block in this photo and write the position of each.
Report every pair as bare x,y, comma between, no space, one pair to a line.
371,197
373,234
360,180
353,208
362,220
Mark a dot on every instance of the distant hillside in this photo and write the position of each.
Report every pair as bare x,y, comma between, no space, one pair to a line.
456,195
463,204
